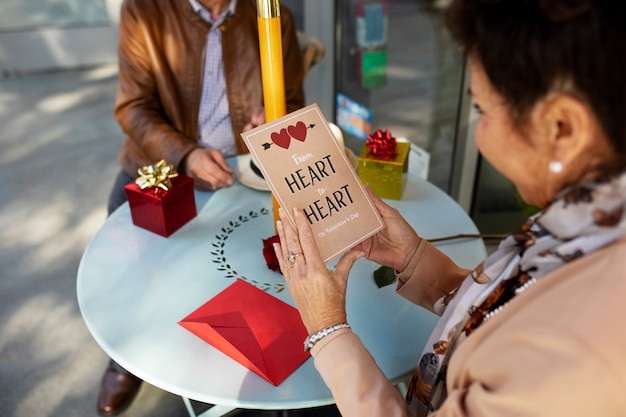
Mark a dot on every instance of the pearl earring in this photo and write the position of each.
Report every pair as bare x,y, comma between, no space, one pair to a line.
555,167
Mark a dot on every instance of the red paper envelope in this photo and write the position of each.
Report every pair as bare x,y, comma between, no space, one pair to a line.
256,329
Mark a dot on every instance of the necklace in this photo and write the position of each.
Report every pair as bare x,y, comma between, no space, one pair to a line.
497,300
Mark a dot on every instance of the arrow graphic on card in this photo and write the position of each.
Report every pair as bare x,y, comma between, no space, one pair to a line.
284,136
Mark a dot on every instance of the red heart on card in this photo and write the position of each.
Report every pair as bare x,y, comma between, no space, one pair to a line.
282,139
298,131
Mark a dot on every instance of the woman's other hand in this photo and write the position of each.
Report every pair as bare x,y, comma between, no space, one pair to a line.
319,293
395,244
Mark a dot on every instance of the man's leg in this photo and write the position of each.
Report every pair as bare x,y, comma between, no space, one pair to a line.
118,194
119,387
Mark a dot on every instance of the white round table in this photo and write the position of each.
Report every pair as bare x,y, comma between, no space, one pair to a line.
133,287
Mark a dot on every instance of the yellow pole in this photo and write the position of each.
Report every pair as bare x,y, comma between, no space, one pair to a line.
272,70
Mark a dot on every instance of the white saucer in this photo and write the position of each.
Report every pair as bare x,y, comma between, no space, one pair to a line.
246,176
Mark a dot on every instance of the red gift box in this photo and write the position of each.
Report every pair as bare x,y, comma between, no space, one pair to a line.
162,212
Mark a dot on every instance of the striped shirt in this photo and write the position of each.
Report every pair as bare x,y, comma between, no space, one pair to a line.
214,125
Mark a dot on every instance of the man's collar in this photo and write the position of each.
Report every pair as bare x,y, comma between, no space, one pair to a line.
202,11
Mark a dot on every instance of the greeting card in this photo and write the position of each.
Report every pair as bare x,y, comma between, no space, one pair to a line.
306,168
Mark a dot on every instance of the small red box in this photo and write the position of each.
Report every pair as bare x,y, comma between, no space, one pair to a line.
166,211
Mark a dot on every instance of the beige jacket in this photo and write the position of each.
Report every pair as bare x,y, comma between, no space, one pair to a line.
161,56
558,349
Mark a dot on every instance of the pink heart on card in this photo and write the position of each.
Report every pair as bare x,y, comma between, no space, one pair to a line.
282,139
298,131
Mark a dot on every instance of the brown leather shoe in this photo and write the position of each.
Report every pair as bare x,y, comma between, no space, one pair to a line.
117,390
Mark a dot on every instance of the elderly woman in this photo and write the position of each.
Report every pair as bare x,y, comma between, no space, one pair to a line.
535,330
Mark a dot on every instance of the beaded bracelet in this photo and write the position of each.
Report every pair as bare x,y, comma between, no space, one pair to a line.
316,337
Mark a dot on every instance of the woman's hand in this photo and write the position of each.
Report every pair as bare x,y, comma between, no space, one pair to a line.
319,294
395,244
209,169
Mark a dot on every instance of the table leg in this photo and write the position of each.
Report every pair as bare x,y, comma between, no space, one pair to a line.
214,411
402,387
402,383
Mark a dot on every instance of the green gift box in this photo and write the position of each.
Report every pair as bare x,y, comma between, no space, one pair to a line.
386,178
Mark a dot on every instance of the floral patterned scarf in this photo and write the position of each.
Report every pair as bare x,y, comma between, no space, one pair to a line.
580,220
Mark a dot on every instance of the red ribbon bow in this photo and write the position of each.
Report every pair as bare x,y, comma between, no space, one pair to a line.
382,145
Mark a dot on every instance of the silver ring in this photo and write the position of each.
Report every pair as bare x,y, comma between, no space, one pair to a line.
291,258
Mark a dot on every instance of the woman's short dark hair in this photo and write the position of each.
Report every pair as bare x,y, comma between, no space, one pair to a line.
529,48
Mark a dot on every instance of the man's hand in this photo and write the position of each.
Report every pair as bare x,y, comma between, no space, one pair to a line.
209,169
257,119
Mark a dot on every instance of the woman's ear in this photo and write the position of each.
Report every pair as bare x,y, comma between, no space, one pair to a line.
571,137
570,128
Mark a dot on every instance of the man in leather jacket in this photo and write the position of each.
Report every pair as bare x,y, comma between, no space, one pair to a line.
189,84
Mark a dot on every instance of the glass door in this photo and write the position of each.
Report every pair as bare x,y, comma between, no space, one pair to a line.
40,35
396,62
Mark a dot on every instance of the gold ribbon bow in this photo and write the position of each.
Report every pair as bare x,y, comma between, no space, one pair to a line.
157,176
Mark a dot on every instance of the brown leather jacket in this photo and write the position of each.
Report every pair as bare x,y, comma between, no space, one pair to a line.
161,55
